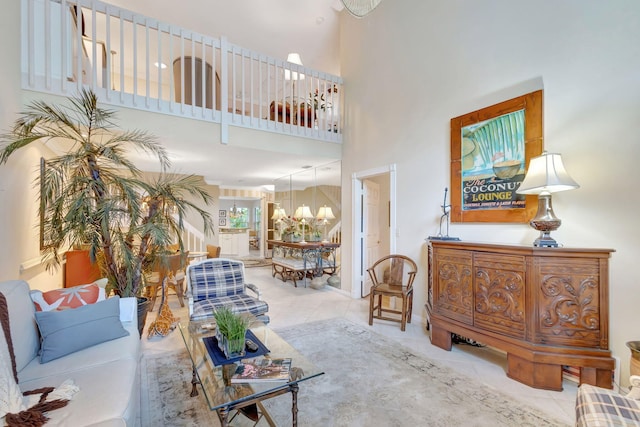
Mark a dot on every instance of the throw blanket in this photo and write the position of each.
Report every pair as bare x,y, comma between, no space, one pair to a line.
28,409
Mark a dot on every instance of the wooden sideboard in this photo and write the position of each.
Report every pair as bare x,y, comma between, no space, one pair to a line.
545,307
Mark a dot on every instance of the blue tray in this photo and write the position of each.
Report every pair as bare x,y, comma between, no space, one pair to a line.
218,357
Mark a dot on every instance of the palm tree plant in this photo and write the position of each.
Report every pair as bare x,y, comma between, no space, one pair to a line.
94,196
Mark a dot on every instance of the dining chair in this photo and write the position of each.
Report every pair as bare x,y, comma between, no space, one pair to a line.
171,267
392,276
213,251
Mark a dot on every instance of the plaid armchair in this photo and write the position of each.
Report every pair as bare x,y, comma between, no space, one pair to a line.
217,282
599,407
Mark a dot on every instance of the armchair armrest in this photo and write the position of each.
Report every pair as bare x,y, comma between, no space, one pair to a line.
255,289
597,406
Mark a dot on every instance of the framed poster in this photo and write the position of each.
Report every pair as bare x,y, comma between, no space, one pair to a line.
222,213
490,152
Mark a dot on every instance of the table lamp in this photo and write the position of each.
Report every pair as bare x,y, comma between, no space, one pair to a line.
293,58
303,213
325,214
546,175
278,215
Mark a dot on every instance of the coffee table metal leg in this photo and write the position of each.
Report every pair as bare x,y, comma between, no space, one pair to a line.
223,415
266,415
294,404
194,382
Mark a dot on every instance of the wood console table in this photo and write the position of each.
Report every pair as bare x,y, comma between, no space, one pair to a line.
545,307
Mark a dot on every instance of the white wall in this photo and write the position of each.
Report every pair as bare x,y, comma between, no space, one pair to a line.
411,66
19,232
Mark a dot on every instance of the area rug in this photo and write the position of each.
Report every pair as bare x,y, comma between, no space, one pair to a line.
256,262
167,378
369,380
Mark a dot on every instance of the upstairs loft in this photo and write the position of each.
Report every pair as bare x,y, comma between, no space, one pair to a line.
134,61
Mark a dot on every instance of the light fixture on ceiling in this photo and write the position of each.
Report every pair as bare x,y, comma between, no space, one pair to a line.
546,175
303,213
160,65
325,214
234,212
360,8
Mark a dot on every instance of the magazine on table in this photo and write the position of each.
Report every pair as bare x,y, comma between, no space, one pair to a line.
262,369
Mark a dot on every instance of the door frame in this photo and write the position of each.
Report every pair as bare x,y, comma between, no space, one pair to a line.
360,270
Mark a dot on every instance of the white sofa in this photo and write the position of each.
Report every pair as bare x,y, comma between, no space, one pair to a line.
107,374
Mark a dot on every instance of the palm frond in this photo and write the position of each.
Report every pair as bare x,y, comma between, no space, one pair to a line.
92,194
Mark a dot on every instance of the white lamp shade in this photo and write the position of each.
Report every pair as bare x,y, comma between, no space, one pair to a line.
325,212
303,212
293,58
546,174
278,214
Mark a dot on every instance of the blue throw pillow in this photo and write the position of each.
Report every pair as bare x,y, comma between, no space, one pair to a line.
65,332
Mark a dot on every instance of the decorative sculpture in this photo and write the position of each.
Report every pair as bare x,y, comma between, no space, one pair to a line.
446,209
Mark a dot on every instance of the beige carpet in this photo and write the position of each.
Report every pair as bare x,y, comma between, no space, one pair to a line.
251,262
369,381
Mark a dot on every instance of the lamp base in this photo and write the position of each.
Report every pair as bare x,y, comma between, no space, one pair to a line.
545,222
545,241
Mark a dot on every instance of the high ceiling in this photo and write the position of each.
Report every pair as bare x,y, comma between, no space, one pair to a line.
274,27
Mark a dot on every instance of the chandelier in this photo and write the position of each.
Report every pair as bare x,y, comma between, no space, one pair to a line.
234,212
360,8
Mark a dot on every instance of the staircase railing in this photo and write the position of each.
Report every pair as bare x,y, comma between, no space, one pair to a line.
135,61
192,238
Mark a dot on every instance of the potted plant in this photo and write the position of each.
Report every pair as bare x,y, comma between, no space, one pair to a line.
93,196
291,231
231,330
314,231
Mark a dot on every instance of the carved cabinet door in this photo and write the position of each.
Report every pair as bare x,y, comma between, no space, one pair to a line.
569,310
452,284
499,289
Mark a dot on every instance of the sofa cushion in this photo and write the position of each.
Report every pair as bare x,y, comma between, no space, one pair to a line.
66,298
67,331
24,331
109,393
125,348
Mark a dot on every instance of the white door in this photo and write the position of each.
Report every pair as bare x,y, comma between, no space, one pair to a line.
370,229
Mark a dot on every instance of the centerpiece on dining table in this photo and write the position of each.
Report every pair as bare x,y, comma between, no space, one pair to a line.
296,230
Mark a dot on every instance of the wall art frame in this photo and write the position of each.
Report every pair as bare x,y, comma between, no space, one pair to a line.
222,213
490,153
222,222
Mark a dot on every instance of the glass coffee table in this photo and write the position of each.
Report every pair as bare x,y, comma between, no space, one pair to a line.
225,397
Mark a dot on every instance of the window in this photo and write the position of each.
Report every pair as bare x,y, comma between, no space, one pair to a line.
240,219
257,214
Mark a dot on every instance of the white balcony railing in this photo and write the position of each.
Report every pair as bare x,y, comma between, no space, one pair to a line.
138,62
